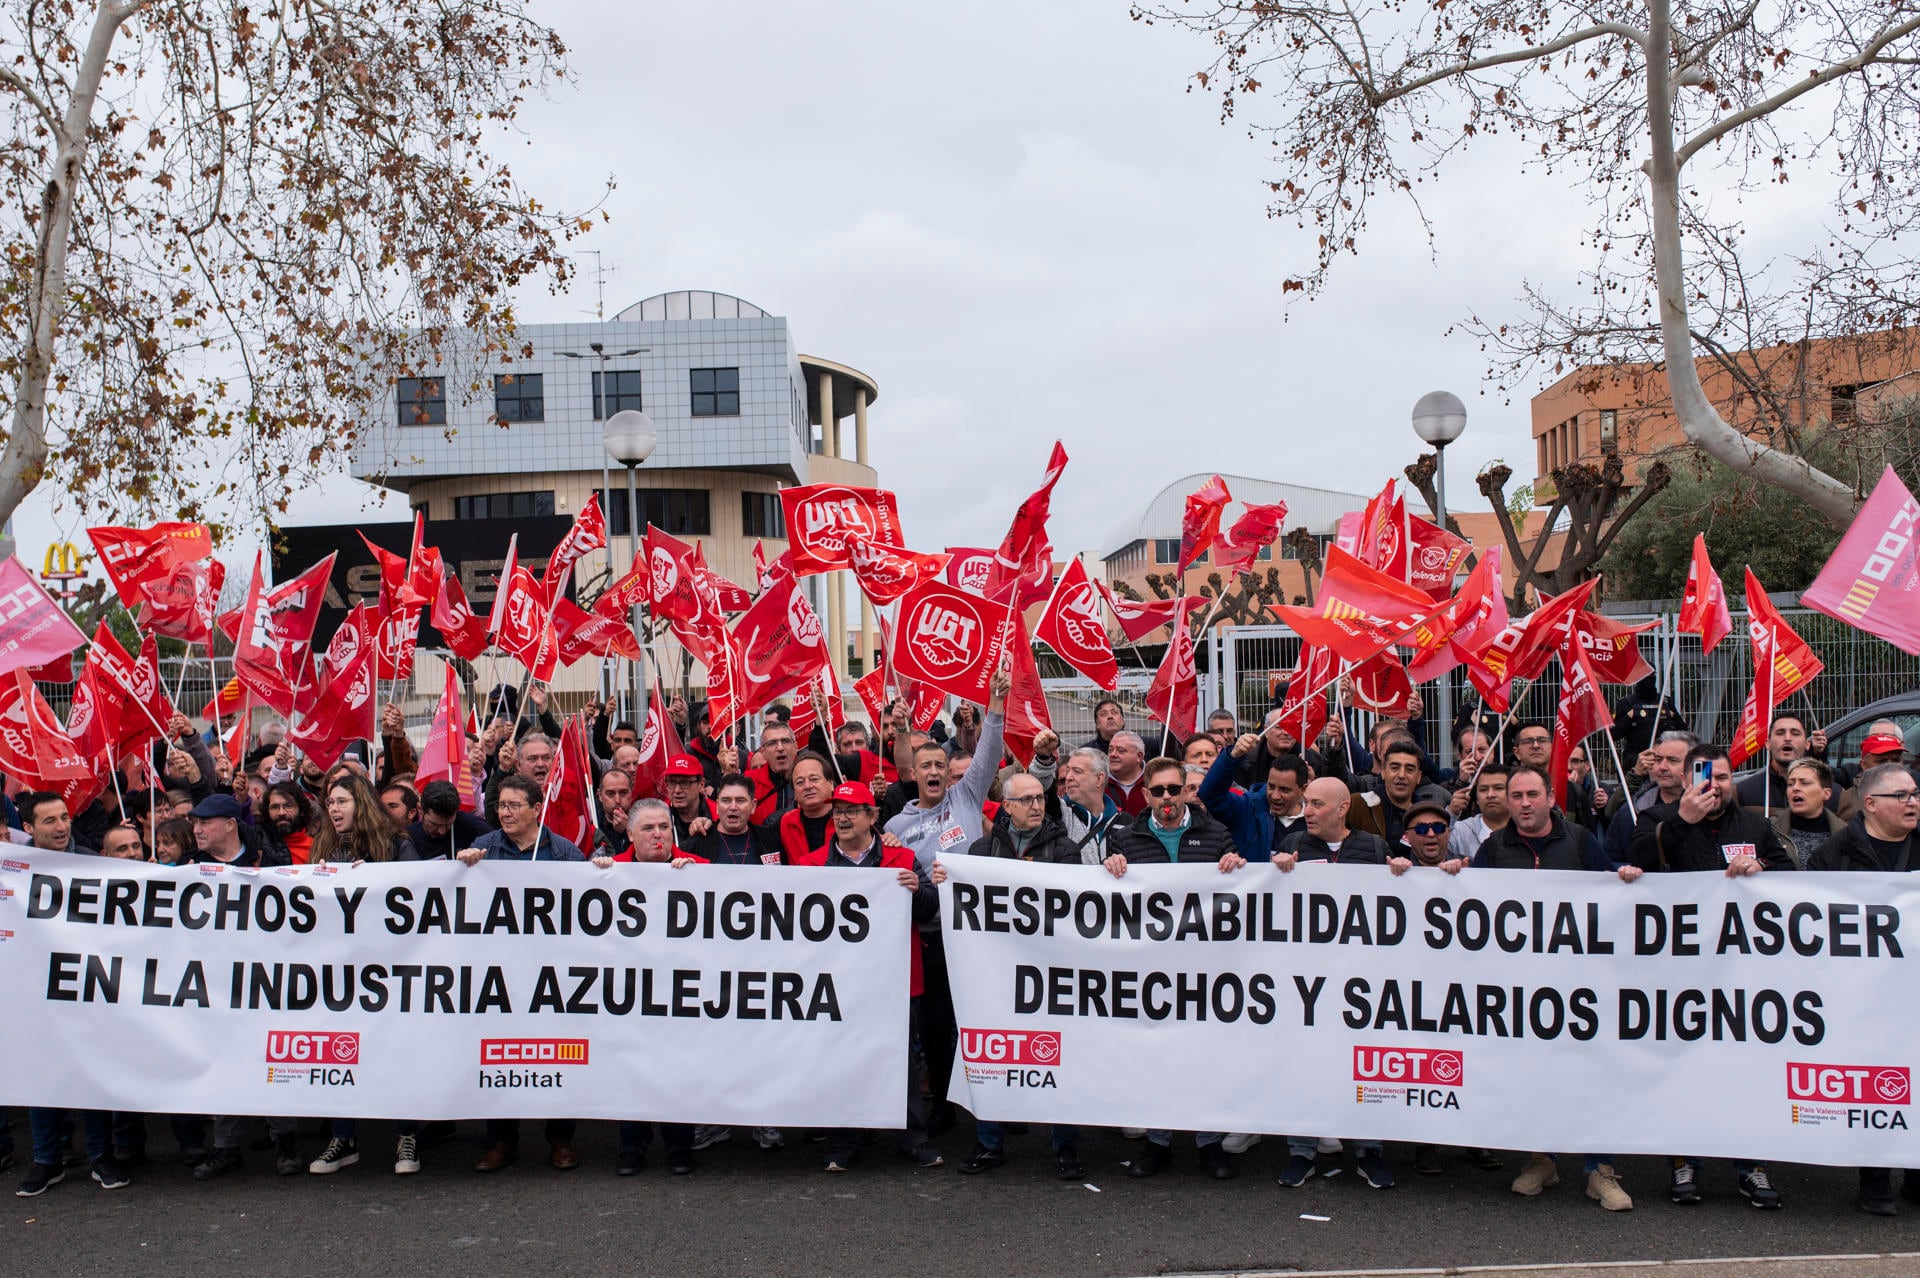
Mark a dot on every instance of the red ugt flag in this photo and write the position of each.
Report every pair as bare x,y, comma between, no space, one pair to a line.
1581,713
1074,627
1703,608
1139,618
1871,582
1174,696
780,643
134,557
1200,521
949,640
659,741
1024,560
36,750
256,652
1360,611
823,520
465,633
886,572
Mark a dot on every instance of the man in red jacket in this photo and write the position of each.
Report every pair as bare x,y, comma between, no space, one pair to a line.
773,783
808,825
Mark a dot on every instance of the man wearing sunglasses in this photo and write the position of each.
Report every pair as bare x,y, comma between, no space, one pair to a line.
1880,840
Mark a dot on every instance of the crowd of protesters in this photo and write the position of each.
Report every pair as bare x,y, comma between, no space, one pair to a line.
888,797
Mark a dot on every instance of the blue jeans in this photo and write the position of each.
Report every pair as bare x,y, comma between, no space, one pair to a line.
1309,1146
47,1140
990,1135
1201,1139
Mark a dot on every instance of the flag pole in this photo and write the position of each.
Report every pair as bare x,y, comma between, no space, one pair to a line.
1626,788
1766,731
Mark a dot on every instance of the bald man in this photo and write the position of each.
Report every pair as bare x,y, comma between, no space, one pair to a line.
1322,833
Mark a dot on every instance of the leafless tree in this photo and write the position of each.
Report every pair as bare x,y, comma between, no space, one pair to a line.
1669,115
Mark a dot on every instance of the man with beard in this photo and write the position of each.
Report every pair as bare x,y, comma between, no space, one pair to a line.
1384,814
290,821
1667,767
734,838
1264,815
615,792
443,829
1787,740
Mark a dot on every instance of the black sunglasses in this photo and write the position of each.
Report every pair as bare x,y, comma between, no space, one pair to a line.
1428,827
1165,791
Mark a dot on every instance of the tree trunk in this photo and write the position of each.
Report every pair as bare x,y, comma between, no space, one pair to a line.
1699,420
24,460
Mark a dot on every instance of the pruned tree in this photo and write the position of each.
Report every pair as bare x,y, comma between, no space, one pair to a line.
1672,115
239,224
1596,503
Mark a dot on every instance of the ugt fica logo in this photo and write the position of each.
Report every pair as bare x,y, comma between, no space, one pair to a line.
1012,1058
1860,1096
318,1058
1417,1078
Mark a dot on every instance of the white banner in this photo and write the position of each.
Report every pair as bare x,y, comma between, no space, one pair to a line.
710,994
1770,1017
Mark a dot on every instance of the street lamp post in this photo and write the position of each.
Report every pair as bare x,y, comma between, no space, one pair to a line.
629,439
1438,418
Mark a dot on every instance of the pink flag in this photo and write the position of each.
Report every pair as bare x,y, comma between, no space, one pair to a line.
33,629
1871,581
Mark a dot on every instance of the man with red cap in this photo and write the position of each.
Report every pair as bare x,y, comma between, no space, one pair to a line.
857,845
683,787
1883,745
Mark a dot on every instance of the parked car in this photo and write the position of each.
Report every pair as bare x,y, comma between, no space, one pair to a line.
1845,734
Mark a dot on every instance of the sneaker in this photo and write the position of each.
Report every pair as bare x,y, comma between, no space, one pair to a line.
1213,1161
630,1163
286,1155
108,1174
1539,1174
1757,1188
1685,1189
1299,1171
406,1156
1876,1191
982,1159
1067,1163
1328,1145
925,1157
41,1178
1603,1186
338,1153
1372,1167
1426,1160
218,1163
1239,1142
680,1161
1486,1160
769,1138
708,1137
1149,1159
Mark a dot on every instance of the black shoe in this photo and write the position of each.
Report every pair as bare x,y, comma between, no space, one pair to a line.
1876,1192
1149,1159
1426,1160
1372,1167
630,1163
1298,1171
983,1159
1068,1159
40,1178
1486,1160
108,1174
925,1157
192,1155
286,1155
1757,1188
679,1161
219,1163
1685,1189
1214,1162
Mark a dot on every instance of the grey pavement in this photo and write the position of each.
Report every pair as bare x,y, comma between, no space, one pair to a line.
749,1211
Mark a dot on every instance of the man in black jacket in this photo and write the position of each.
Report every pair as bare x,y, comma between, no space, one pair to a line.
1706,831
443,829
1881,840
734,838
1172,831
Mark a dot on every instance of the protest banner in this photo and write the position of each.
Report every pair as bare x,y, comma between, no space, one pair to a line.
1759,1017
434,990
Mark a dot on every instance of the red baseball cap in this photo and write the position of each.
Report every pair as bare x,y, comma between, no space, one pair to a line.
853,792
1881,743
685,765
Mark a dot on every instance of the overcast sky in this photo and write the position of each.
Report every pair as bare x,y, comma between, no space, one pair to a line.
1020,224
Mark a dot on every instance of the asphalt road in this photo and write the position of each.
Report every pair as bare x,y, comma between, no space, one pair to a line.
748,1211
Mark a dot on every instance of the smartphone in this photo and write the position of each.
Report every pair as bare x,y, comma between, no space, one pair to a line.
1702,772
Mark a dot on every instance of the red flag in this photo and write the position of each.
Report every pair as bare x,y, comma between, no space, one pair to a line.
256,652
394,641
526,631
588,634
36,750
823,687
465,633
1027,714
444,757
968,568
1377,535
1703,608
1026,544
1253,532
1303,711
1581,713
1200,521
127,693
928,701
568,810
296,605
659,741
670,591
1360,611
717,594
150,692
760,570
1073,626
1870,582
1381,687
1783,664
181,605
1467,627
226,703
497,616
886,572
1174,696
588,532
619,599
342,712
1433,556
780,645
423,568
1613,647
824,519
1140,618
59,670
395,574
1523,648
352,636
949,640
133,557
872,689
236,738
34,630
93,721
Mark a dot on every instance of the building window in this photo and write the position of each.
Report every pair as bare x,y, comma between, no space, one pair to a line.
622,393
680,511
762,516
1840,403
423,401
716,392
1166,550
1609,430
1266,554
529,505
518,397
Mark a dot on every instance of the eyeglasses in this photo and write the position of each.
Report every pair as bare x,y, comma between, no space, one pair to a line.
1898,796
1428,827
512,807
1025,798
1165,791
1533,740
